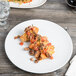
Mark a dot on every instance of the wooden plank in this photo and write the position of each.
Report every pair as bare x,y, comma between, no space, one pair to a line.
29,74
60,1
58,16
48,5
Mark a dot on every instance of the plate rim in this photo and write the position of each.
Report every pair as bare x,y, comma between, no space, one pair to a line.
38,72
28,7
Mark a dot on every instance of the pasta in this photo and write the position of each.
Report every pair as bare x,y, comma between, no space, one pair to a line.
20,1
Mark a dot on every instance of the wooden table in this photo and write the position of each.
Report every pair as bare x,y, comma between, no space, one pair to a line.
53,10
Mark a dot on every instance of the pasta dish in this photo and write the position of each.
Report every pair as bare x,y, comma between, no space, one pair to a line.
20,1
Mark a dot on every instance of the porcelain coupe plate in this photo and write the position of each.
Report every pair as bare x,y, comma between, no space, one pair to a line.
56,35
34,3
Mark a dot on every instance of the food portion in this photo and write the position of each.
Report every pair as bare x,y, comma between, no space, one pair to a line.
39,46
28,33
20,1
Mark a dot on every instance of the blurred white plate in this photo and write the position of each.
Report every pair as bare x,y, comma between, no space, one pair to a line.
34,3
56,35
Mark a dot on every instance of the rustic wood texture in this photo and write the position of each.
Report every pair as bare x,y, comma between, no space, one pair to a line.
53,10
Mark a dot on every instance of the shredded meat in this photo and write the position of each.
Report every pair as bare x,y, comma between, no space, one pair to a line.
31,59
17,37
31,52
26,48
47,54
36,61
37,54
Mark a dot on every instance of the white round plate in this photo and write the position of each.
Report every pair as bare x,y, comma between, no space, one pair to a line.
34,3
56,35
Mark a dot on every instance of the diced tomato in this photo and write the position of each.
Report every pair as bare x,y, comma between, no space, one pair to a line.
36,48
32,29
28,33
30,0
49,44
24,2
32,41
35,39
45,50
51,57
21,43
43,39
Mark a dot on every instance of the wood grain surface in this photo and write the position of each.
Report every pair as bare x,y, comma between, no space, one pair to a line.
53,10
